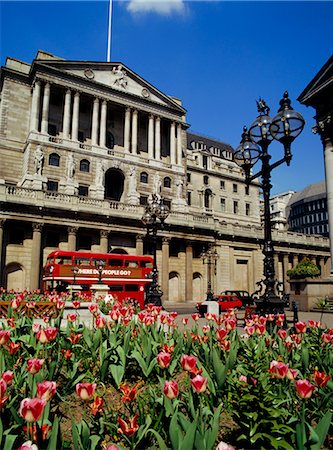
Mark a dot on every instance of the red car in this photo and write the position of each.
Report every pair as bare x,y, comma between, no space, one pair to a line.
228,301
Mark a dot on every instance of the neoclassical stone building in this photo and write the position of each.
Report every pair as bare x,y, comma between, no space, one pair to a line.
83,146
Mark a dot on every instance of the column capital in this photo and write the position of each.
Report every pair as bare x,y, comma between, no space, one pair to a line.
104,233
2,222
139,237
72,230
165,240
37,226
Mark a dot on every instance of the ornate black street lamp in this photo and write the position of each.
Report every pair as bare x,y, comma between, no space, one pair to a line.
100,266
210,258
154,216
284,127
75,273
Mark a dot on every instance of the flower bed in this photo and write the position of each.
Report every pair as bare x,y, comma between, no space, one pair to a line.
139,381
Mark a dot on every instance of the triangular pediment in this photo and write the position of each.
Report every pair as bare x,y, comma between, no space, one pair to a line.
115,76
321,82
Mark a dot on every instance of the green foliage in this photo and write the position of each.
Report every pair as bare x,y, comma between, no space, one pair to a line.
304,269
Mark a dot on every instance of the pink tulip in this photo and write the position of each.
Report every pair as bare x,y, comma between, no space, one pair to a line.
93,308
300,327
28,445
242,379
325,337
112,447
230,323
292,374
31,409
85,390
260,329
221,333
249,330
100,322
171,389
8,377
314,324
206,329
195,316
163,359
46,335
71,317
188,362
60,304
3,387
278,369
46,390
15,303
4,336
34,365
185,320
199,383
304,388
76,304
224,446
282,333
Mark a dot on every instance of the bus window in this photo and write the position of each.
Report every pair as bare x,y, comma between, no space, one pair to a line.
146,264
96,261
116,262
133,264
116,287
131,287
82,262
65,260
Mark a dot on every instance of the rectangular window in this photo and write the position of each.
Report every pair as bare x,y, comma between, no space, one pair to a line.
189,199
222,203
143,200
52,186
80,136
83,191
247,190
235,207
234,188
52,129
205,161
222,185
247,209
189,178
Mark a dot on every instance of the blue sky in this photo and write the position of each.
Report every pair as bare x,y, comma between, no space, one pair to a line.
217,57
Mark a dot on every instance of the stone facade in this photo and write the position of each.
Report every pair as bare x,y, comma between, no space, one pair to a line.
84,145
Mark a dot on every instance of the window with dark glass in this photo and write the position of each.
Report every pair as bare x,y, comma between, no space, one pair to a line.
109,140
235,207
247,209
189,178
222,185
83,190
54,159
144,177
143,200
52,129
234,188
84,165
52,185
222,202
189,199
247,190
167,182
206,179
205,161
80,136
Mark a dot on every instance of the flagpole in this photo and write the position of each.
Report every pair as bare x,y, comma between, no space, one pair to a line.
108,58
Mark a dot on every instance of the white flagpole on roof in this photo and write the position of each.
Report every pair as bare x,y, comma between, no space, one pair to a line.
108,57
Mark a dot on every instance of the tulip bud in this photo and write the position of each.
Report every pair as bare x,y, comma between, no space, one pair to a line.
171,389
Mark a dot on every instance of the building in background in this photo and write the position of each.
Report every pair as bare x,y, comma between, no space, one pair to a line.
278,207
307,210
83,147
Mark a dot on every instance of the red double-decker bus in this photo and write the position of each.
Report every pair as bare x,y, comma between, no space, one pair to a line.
125,275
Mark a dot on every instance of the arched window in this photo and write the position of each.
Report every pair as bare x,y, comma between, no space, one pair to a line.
143,177
109,139
206,179
167,182
54,159
84,165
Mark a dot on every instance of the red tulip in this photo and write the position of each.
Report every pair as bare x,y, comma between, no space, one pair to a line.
292,374
282,333
100,322
163,359
325,337
221,333
75,337
60,304
304,388
278,369
171,389
46,390
195,316
71,317
34,365
300,327
129,393
15,303
76,304
67,353
188,362
260,329
321,379
8,377
230,323
97,405
4,336
13,348
85,390
250,330
31,409
93,308
46,335
314,324
128,428
3,387
199,383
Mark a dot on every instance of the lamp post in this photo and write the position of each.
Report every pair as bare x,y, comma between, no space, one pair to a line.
284,127
153,217
209,257
51,273
100,266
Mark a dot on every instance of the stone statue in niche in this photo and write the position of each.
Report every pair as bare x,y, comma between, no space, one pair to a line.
157,184
70,166
179,184
120,77
100,171
39,159
132,184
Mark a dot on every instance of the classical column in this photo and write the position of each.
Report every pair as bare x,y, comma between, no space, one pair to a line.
102,130
285,276
189,272
2,262
158,138
165,268
322,266
104,241
35,106
35,255
151,137
67,114
94,124
127,129
139,245
173,143
45,110
72,232
328,158
134,132
75,118
179,144
295,260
